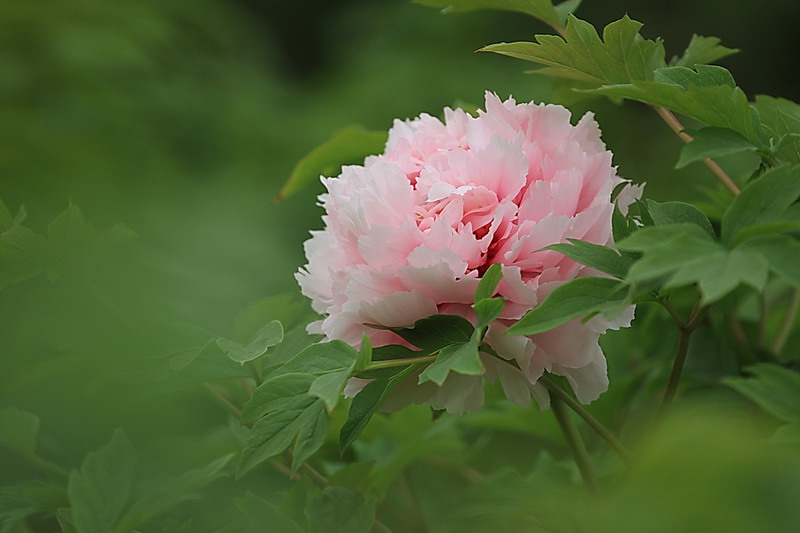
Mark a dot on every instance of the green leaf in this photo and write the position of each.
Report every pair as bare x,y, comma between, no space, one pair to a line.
672,256
781,121
541,9
340,510
782,252
663,214
6,220
622,226
435,332
18,431
349,145
260,513
487,311
23,254
621,57
702,50
763,200
707,94
268,336
571,300
461,358
298,420
774,388
328,387
101,490
294,342
656,236
713,142
600,258
322,358
275,394
565,9
489,281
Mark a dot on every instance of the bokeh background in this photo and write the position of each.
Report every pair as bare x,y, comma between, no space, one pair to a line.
182,119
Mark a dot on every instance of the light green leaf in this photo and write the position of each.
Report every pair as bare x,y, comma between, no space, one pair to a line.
18,431
489,281
774,388
571,300
541,9
600,258
461,358
702,50
764,200
663,214
364,353
101,490
781,121
670,256
260,513
298,419
340,510
621,57
713,142
294,341
328,387
565,9
656,236
782,253
487,311
275,394
268,336
435,332
322,358
349,145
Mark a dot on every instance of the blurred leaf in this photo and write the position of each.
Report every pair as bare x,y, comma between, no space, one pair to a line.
622,56
348,145
763,200
703,50
261,514
540,9
782,252
6,220
712,142
599,257
269,335
488,283
290,309
18,431
23,254
101,490
462,358
707,94
340,510
571,300
781,121
433,333
294,341
773,388
667,213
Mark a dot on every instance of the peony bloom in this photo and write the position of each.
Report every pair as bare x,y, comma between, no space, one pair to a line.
409,234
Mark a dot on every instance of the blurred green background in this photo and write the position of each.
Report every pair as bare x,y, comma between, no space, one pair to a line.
182,119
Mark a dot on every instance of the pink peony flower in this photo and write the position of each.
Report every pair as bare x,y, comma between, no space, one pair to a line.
409,234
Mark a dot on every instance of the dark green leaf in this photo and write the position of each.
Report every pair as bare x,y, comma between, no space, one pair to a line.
311,436
488,284
774,388
541,9
663,214
763,200
702,50
434,333
571,300
601,258
268,336
713,142
348,145
782,253
101,490
781,121
23,254
261,514
340,510
621,57
18,430
461,358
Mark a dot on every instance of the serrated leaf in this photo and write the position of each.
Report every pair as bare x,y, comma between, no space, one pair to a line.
348,145
541,9
622,56
763,200
340,510
713,142
276,393
268,336
774,388
707,94
600,258
663,214
259,513
101,490
18,431
433,333
781,121
273,433
460,358
571,300
488,283
702,50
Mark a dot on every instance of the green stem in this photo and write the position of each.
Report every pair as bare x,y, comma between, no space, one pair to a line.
762,321
400,362
575,442
673,313
573,404
787,323
677,368
223,401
